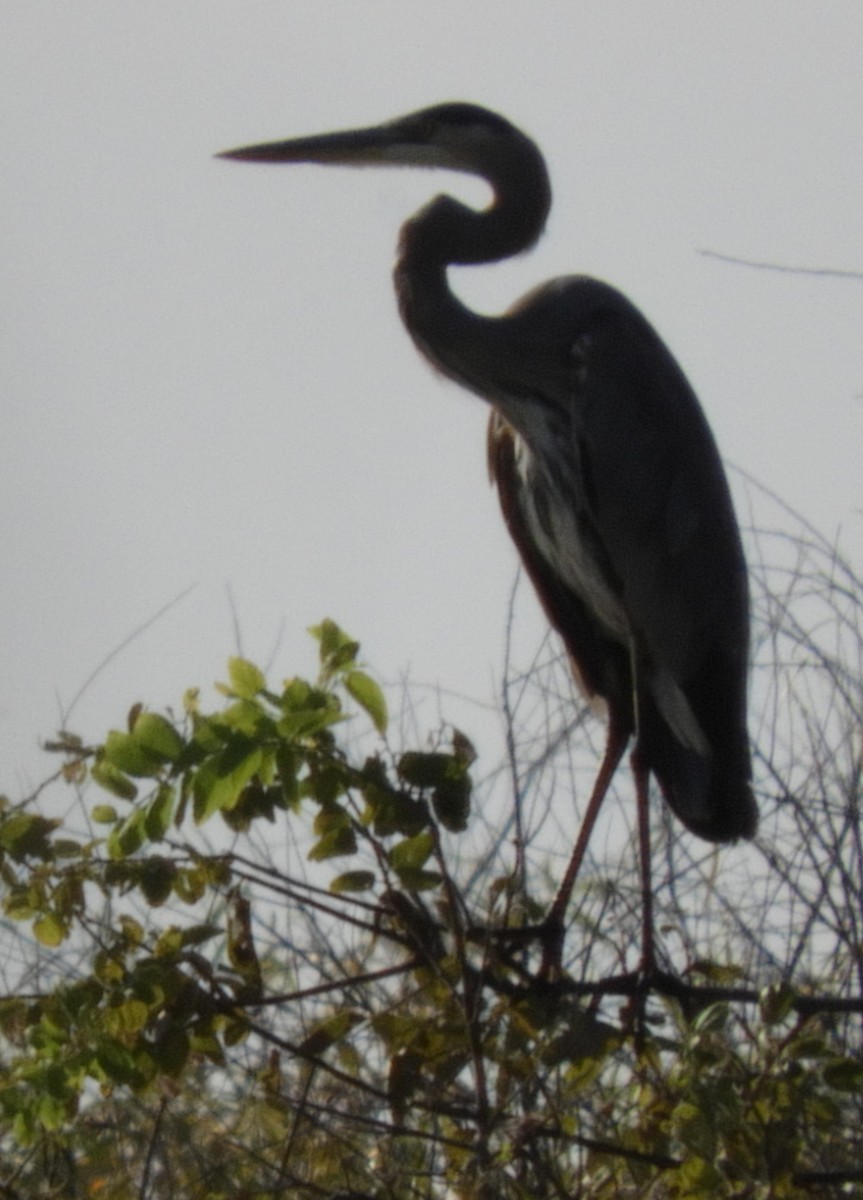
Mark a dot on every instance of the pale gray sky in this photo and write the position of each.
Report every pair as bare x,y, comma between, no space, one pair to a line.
203,376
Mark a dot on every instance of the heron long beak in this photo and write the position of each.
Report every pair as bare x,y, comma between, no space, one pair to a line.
396,143
354,146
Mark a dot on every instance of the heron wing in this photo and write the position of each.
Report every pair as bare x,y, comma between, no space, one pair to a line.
659,504
657,495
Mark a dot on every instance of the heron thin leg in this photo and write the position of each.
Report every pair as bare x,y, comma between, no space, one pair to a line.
641,776
648,961
618,736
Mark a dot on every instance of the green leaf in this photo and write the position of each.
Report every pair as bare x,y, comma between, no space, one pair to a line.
202,1040
248,717
723,974
208,738
129,837
123,1019
424,769
158,814
171,1050
235,1030
306,710
104,814
330,817
337,651
81,997
157,737
328,635
124,751
246,679
353,881
412,853
67,848
329,1031
143,753
776,1002
118,1063
369,696
49,930
113,780
156,879
335,843
394,812
447,776
133,931
255,801
326,784
22,903
25,835
451,803
844,1074
812,1046
189,885
174,939
52,1111
713,1019
220,780
697,1176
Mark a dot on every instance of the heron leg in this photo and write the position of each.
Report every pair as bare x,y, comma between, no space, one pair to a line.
553,925
641,775
647,964
645,974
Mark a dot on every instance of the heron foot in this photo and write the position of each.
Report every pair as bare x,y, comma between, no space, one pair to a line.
550,935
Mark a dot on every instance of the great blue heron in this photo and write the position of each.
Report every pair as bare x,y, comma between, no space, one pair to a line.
608,475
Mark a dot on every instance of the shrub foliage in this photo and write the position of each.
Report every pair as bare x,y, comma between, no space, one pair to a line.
270,953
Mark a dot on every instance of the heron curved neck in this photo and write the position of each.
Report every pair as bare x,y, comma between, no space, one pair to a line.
448,233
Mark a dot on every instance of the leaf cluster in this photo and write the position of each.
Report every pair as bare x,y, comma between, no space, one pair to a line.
261,972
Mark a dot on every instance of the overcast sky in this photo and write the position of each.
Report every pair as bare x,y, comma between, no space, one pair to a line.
204,380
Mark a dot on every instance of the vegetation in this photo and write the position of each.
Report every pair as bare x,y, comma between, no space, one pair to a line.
273,954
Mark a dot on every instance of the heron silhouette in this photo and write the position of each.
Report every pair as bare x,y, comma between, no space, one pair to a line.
608,475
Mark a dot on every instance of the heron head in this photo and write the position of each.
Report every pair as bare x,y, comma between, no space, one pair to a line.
457,136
